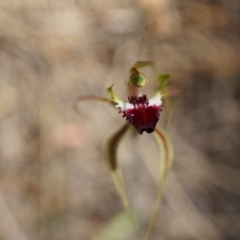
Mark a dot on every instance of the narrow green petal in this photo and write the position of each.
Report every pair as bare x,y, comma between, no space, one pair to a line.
90,98
112,94
166,159
163,81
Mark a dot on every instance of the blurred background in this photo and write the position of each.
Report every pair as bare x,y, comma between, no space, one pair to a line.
54,181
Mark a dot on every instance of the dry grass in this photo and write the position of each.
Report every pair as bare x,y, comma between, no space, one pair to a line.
54,183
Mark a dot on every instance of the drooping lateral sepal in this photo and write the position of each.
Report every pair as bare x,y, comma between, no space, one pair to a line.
165,160
112,146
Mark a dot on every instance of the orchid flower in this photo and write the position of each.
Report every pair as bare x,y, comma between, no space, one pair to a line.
143,113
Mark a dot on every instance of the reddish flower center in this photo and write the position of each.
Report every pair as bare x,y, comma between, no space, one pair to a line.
142,116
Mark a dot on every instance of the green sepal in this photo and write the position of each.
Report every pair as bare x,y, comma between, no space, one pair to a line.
163,81
142,64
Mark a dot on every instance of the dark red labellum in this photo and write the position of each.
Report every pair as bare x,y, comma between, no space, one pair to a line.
143,117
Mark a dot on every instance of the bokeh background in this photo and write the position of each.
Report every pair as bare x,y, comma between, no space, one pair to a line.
54,181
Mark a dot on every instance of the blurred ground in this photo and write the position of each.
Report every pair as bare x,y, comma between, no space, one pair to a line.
54,183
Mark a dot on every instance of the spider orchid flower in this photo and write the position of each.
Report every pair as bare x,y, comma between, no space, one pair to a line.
143,113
